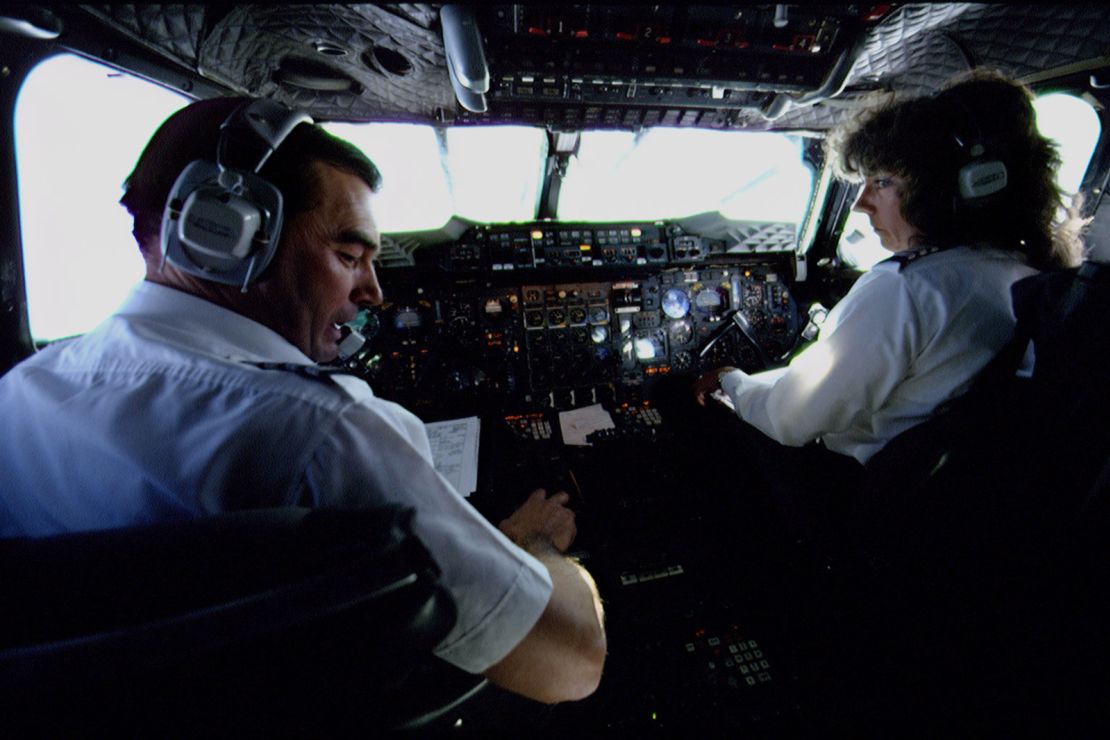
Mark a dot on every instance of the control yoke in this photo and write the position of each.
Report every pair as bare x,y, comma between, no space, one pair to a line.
735,319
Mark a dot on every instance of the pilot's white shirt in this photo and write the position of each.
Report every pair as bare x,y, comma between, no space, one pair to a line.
899,344
156,416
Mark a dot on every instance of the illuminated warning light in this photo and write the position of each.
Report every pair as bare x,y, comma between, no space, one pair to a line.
876,12
585,247
636,232
581,34
537,234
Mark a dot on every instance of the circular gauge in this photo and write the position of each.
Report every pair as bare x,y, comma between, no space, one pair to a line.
599,314
556,317
682,360
534,319
598,334
676,303
648,348
710,301
577,315
681,332
537,340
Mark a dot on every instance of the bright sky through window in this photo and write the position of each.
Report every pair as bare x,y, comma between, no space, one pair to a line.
80,127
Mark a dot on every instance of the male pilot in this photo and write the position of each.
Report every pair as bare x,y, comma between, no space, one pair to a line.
187,402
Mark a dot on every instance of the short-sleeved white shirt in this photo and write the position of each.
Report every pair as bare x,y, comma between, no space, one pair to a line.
156,415
904,340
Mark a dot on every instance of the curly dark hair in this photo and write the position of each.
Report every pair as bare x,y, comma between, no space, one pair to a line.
193,133
927,141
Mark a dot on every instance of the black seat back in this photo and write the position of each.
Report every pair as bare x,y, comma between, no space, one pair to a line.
284,620
980,540
1014,453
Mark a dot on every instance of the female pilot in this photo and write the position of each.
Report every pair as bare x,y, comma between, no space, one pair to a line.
960,187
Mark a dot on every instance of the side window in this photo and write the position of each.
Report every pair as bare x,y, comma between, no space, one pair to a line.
79,129
1068,120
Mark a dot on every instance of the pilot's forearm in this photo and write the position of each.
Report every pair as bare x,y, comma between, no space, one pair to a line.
562,657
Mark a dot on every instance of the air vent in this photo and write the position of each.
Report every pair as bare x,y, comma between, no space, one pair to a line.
397,251
388,60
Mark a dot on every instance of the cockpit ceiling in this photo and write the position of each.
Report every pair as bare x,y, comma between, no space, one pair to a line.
755,67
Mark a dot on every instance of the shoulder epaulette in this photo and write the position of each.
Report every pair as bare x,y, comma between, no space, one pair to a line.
911,255
312,372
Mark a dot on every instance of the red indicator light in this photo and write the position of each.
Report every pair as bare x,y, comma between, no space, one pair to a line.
876,12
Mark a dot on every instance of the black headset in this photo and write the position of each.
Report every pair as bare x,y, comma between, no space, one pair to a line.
222,222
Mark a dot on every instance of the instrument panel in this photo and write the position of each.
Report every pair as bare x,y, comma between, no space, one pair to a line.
517,324
560,337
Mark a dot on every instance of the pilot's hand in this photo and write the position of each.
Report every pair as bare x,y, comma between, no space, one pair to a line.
709,383
542,520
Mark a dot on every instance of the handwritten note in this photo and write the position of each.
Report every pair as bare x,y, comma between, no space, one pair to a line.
455,451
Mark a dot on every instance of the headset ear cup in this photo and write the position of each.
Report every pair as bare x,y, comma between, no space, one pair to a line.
217,234
221,221
981,178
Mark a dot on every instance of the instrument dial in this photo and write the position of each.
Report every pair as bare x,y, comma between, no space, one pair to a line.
676,304
534,319
681,332
711,302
